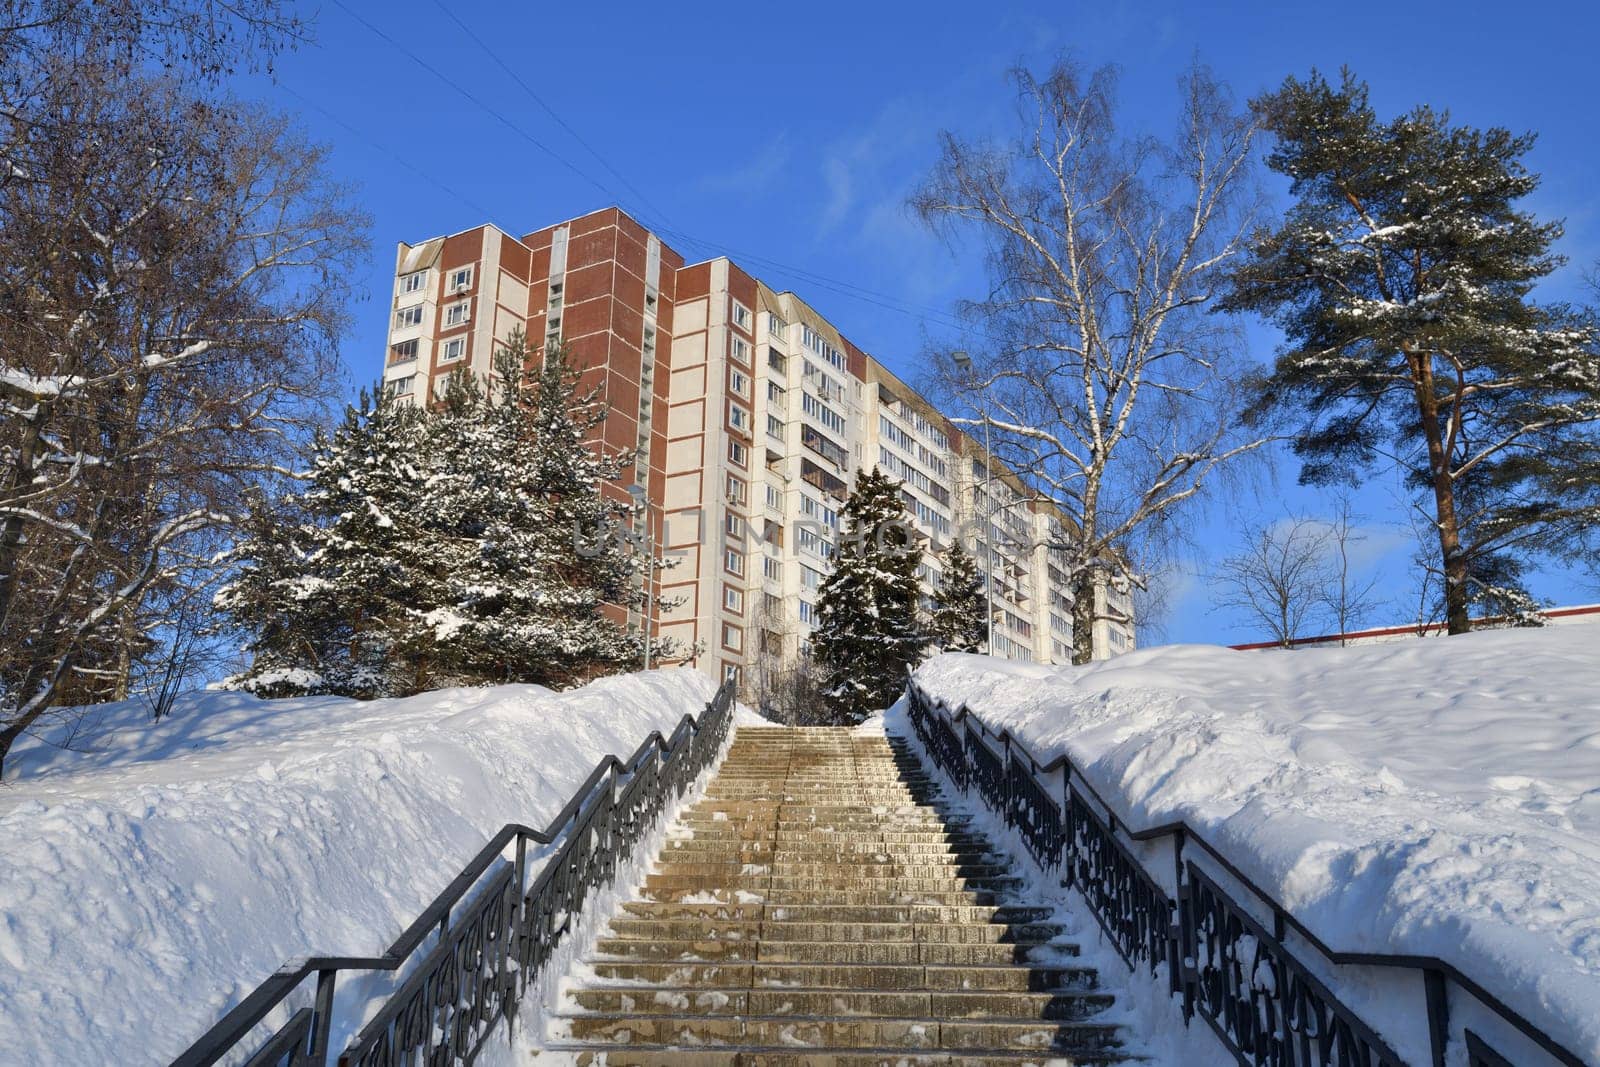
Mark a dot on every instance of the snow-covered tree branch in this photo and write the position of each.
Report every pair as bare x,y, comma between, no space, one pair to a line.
173,278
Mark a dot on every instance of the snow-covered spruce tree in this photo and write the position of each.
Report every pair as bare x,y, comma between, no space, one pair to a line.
333,581
548,549
1403,278
868,630
959,606
467,544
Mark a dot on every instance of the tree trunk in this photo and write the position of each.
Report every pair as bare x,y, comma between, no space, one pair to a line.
1083,614
7,737
1457,620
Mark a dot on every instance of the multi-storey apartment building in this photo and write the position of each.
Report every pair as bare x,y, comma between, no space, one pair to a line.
746,414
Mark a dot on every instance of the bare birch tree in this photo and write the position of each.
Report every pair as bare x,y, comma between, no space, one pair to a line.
1107,382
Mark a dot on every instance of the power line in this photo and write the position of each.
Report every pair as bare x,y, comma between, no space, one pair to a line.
662,225
391,153
513,127
836,285
536,98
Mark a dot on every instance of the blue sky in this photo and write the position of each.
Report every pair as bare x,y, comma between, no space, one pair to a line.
788,136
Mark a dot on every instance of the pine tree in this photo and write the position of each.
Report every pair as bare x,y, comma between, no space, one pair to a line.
1403,278
868,630
959,622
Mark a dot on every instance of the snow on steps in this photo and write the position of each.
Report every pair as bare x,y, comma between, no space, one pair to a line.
814,908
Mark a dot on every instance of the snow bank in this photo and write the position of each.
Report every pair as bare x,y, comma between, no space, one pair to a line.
1440,798
151,881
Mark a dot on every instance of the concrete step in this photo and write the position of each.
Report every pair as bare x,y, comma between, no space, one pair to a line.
852,867
897,894
700,929
844,913
899,953
622,1000
661,1056
699,974
827,1032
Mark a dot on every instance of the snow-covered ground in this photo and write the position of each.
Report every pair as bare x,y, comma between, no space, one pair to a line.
1437,797
152,877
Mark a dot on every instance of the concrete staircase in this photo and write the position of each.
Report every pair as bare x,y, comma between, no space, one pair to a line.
816,908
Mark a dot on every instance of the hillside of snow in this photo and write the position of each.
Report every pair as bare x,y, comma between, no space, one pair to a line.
1433,797
152,877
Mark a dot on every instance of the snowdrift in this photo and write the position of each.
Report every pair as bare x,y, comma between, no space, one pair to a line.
151,878
1437,797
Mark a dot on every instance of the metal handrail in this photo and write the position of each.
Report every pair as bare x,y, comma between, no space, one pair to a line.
303,1039
1434,969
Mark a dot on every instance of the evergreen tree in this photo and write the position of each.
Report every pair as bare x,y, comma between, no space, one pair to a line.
960,608
332,581
467,544
868,631
1403,278
549,550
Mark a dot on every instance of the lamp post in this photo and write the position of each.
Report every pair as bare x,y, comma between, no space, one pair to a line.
641,501
964,364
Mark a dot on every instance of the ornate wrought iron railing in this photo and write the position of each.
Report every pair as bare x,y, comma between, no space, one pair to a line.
468,960
1236,973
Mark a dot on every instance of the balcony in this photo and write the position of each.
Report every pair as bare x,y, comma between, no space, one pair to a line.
818,478
828,449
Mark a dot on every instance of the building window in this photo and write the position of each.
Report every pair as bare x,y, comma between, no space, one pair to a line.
741,351
730,673
741,316
772,569
775,427
404,351
739,383
401,386
738,418
808,613
735,489
732,637
456,314
412,282
453,349
411,316
738,454
460,279
732,599
776,326
733,562
734,525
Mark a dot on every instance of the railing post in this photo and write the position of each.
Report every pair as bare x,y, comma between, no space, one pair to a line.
1007,808
322,1018
519,934
1175,921
1438,997
1070,846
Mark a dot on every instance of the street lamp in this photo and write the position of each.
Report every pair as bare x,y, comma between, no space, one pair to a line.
641,501
964,364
